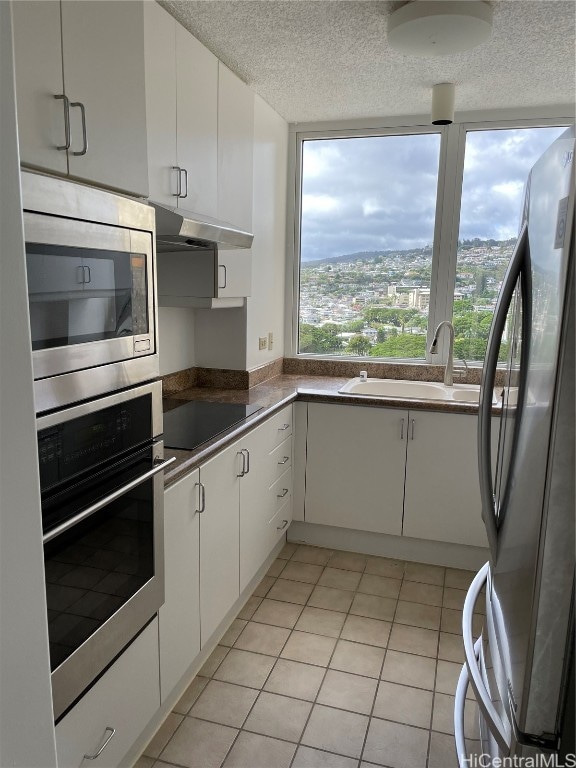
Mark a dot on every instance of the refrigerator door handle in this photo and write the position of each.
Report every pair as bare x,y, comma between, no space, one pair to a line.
485,704
459,704
487,388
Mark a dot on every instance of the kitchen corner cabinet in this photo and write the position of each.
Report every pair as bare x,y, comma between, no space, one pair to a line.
116,710
92,53
181,114
355,467
180,615
394,471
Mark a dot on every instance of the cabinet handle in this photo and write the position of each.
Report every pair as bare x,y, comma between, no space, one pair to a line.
284,460
201,497
412,431
82,109
111,731
178,170
185,193
283,428
87,271
281,527
66,101
401,429
247,452
223,266
243,470
281,495
80,275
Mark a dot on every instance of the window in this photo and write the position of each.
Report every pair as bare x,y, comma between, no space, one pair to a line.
496,165
381,257
367,230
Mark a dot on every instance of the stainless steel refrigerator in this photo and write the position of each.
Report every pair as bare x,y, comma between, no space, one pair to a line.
521,668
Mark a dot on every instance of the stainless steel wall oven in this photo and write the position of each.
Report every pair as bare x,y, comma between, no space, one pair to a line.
91,290
102,492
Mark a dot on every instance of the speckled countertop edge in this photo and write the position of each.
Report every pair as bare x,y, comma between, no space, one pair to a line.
272,396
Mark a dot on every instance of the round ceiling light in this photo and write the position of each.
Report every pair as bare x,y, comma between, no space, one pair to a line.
430,28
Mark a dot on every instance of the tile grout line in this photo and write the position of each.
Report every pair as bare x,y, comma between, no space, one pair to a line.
338,638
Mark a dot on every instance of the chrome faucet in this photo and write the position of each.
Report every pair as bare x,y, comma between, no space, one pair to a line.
449,370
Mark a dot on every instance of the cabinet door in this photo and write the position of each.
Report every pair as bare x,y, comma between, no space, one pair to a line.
442,500
103,54
125,699
219,539
180,614
235,149
38,64
255,505
234,276
355,467
197,122
160,59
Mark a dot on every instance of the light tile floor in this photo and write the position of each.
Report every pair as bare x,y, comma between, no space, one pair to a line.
338,660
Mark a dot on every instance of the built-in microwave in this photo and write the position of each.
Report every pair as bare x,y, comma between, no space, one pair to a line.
90,260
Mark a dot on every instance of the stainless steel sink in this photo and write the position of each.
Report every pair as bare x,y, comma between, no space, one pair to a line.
417,390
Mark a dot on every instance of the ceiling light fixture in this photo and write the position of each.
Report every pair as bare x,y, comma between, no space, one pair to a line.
430,28
443,103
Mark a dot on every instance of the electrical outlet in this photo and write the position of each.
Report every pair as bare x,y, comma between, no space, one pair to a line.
262,342
270,340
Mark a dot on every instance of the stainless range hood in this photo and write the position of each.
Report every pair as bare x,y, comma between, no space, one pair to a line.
181,230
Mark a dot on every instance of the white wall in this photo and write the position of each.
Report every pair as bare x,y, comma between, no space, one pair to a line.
220,340
176,328
265,307
26,720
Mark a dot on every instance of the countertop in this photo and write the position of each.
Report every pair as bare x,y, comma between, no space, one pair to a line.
272,395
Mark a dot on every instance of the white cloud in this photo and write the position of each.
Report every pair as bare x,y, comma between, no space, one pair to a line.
319,204
371,206
509,189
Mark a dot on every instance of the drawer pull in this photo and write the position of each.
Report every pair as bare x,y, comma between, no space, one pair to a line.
281,527
110,731
283,428
281,495
284,460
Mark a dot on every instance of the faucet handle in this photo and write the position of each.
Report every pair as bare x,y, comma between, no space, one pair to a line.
363,375
462,375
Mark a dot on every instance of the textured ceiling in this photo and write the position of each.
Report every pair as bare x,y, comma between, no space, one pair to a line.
315,60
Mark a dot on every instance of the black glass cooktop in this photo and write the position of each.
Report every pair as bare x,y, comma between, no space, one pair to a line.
192,423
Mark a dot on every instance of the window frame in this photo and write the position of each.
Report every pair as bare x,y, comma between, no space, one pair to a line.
446,227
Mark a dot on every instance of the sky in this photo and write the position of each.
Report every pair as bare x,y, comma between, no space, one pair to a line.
378,193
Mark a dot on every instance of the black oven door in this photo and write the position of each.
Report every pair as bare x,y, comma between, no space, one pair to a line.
102,483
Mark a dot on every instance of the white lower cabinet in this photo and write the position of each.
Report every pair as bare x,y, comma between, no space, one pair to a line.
394,471
442,496
113,713
180,614
355,467
219,538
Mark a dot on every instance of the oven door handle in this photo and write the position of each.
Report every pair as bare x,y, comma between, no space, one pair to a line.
71,522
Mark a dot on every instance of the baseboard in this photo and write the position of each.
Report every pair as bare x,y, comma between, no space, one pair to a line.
384,545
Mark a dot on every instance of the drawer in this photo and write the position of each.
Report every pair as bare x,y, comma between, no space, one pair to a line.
279,427
125,698
279,460
279,524
281,492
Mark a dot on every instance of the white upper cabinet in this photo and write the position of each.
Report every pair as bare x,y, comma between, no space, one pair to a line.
182,115
235,149
38,61
103,117
197,123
